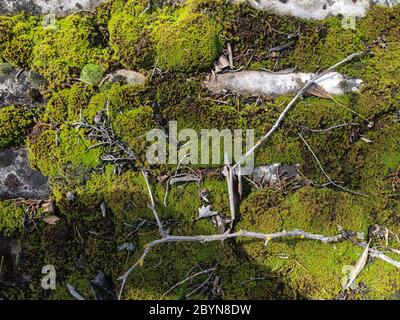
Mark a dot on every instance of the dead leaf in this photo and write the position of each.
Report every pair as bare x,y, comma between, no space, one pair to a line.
103,209
318,91
359,266
205,212
366,139
222,64
220,224
52,220
49,207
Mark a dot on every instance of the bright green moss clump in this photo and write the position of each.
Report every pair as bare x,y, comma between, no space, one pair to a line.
10,218
51,151
118,99
132,126
68,104
61,53
179,41
14,123
131,40
190,43
17,39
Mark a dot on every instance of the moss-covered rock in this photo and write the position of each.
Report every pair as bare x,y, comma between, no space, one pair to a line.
11,216
130,38
51,150
187,44
14,125
61,53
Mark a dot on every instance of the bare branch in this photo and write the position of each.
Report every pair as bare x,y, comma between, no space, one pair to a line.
74,293
187,279
153,205
293,102
297,233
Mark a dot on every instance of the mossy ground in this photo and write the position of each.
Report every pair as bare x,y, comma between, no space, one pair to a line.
183,42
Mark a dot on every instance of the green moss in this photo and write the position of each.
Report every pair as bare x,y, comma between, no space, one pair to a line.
14,123
382,287
11,216
381,91
382,21
91,73
117,99
188,44
51,151
68,104
132,126
130,38
17,38
5,30
371,163
60,54
263,212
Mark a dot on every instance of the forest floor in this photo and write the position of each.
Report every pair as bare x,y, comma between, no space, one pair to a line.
318,219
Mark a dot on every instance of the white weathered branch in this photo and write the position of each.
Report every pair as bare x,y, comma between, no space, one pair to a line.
255,83
297,233
291,104
153,205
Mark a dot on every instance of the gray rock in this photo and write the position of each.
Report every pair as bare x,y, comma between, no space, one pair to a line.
318,9
127,76
19,87
38,7
18,179
268,175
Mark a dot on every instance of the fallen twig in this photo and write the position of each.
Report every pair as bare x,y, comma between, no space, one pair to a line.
292,103
324,172
187,279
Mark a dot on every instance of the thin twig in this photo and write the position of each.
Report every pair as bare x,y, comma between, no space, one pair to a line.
187,279
324,172
293,102
220,237
153,205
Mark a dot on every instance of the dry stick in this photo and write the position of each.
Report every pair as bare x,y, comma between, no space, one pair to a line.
292,103
153,206
74,293
324,172
225,236
330,128
262,236
187,279
380,255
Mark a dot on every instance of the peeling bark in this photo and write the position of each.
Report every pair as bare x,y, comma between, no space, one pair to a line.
256,83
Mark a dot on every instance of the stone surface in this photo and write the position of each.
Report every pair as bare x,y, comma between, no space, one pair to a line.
318,9
57,7
276,84
18,179
19,87
309,9
268,175
127,76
